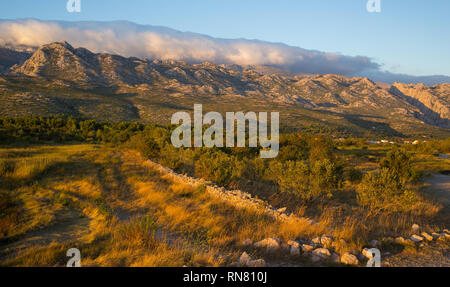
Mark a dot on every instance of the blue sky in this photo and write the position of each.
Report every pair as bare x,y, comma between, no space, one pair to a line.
408,36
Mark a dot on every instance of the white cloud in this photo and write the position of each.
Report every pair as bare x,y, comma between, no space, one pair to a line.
129,39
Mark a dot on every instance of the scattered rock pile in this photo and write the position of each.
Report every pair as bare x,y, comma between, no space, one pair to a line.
246,261
236,197
318,249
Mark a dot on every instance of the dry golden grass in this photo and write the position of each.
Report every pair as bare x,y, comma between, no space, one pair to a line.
129,214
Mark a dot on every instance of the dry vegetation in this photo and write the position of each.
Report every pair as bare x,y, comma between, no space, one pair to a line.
120,211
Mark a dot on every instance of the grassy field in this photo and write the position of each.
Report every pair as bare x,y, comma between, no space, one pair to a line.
117,211
120,211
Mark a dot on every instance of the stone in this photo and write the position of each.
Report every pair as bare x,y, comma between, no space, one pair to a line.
295,250
367,253
294,247
445,235
257,263
315,258
286,247
415,227
349,259
316,240
247,242
271,244
322,252
400,240
244,259
435,235
293,243
427,236
416,238
335,257
326,240
307,248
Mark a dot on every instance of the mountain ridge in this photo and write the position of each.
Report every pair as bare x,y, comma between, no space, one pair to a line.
59,62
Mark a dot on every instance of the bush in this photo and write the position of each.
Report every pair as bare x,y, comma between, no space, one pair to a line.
398,162
218,167
326,176
292,177
389,185
382,189
145,145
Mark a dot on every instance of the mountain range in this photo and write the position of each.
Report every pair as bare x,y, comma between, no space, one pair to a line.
58,78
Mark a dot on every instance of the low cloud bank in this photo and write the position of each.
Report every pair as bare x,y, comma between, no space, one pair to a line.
129,39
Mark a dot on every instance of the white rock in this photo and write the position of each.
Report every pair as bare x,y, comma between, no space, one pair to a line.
349,259
316,240
322,252
416,238
307,248
435,235
326,240
244,259
270,243
293,243
415,227
257,263
445,235
247,242
281,210
400,240
427,236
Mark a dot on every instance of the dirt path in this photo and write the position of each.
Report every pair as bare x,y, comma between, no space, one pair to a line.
439,187
68,227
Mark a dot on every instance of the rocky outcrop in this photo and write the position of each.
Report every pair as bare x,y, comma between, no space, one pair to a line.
433,102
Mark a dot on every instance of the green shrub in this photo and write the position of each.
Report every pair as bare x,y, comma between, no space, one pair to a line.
292,177
326,175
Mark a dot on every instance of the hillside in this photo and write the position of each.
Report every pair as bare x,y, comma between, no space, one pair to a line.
58,78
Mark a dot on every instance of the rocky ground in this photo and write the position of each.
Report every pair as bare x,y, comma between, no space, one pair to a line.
420,249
